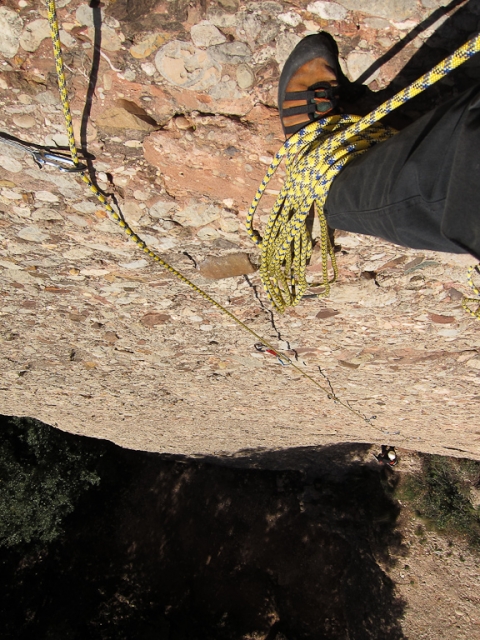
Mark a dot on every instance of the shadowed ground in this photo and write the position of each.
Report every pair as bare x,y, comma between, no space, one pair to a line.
286,546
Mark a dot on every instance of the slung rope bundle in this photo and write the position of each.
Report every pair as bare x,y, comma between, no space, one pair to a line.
313,157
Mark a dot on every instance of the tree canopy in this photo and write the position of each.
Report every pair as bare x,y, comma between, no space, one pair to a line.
42,476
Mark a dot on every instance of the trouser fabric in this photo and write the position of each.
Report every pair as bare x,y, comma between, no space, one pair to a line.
421,188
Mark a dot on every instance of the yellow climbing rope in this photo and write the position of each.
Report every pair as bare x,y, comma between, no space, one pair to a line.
468,300
313,157
305,183
118,219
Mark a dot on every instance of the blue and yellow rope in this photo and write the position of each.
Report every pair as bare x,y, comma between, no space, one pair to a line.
313,158
467,301
118,219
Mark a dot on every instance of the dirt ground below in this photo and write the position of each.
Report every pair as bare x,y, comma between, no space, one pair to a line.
304,544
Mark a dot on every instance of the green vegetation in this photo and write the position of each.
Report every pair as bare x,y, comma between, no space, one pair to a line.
42,476
442,494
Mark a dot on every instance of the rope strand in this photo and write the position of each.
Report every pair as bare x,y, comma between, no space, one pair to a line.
294,246
313,158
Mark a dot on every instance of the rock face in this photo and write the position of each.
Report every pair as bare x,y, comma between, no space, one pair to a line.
229,266
10,28
204,162
185,66
390,9
33,34
328,10
180,129
358,62
126,115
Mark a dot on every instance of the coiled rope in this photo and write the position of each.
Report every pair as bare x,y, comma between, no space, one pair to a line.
313,158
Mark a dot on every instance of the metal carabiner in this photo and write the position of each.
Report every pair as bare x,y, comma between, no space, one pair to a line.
44,156
259,346
63,163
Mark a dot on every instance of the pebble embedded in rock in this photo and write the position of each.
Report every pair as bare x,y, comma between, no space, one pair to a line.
164,244
32,234
59,140
183,123
85,15
231,53
225,91
46,214
10,27
377,23
46,196
77,253
229,225
328,10
8,184
183,65
197,215
249,27
121,118
390,10
86,206
141,195
208,233
228,266
66,39
440,319
148,69
154,318
23,212
111,41
245,76
23,98
162,209
11,195
146,47
291,18
229,5
285,44
205,34
358,62
47,98
222,20
135,264
132,211
327,313
24,121
133,144
10,164
33,34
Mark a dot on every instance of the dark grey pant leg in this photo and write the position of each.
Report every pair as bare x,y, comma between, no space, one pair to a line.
420,189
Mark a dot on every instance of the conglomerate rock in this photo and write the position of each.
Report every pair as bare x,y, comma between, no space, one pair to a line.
174,105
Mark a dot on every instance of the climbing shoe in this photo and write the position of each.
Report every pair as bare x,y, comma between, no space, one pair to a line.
310,82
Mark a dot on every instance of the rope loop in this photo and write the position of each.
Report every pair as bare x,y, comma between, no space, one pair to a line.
314,156
312,161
